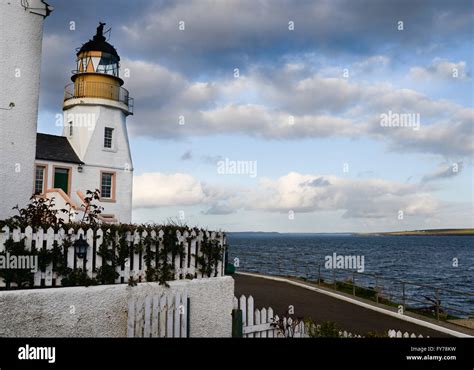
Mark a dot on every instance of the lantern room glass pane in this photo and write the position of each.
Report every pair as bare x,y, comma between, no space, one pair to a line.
107,64
96,61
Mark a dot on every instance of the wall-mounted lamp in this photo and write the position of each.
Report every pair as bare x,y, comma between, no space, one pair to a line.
80,168
10,106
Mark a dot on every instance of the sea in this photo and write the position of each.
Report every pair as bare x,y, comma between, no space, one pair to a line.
434,268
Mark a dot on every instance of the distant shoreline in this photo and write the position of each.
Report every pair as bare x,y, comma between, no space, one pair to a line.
428,232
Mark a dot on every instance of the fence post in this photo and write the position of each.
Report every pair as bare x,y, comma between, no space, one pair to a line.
403,295
237,326
376,289
353,284
437,303
188,317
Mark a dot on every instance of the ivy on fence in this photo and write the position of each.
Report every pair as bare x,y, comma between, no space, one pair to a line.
162,249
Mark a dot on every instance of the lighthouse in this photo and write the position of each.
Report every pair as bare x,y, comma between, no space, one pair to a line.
96,106
21,30
93,150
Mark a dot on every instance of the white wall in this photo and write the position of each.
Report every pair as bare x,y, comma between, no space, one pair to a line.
101,311
90,117
20,51
89,179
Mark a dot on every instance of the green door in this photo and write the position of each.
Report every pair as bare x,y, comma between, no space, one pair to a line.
61,179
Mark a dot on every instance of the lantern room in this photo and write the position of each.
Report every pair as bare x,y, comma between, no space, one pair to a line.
97,72
98,56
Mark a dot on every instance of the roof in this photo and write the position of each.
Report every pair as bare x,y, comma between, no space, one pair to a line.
55,148
49,8
98,43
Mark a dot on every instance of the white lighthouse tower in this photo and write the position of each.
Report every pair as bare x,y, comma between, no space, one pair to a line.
95,110
21,34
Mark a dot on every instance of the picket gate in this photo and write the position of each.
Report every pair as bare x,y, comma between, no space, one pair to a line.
153,316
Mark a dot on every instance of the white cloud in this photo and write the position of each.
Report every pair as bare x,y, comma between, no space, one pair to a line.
441,69
292,103
443,172
372,198
303,193
289,102
450,137
152,190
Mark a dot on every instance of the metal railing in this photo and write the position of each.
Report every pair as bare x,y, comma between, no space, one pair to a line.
94,89
420,298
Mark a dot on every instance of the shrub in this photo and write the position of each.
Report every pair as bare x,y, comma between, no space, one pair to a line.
327,329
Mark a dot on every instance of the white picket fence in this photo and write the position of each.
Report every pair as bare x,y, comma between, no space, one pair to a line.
398,334
134,267
257,323
391,334
346,334
163,316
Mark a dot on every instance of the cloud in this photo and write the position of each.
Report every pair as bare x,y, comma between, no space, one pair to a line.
450,137
219,209
302,193
371,198
440,69
292,103
152,190
188,155
222,35
288,102
443,172
320,181
56,66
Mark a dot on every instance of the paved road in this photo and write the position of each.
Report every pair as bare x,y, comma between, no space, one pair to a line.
320,307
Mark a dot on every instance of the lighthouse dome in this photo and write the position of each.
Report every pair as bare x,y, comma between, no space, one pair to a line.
98,56
99,43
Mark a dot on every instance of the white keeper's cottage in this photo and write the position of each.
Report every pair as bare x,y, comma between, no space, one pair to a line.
93,149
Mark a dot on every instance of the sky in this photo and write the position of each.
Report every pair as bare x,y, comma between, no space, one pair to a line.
284,115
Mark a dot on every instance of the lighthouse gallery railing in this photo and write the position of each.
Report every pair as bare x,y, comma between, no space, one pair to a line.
94,89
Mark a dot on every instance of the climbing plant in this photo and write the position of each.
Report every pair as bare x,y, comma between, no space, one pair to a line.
21,277
212,253
158,245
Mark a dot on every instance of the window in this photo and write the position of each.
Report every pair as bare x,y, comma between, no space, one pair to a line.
108,137
106,185
61,179
40,172
70,129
